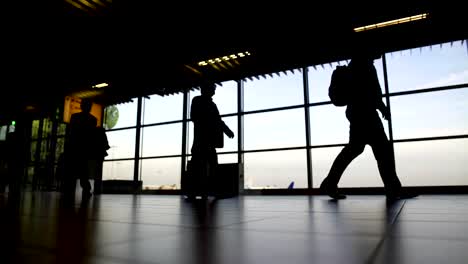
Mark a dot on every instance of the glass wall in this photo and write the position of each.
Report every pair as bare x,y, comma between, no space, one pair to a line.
120,122
162,173
278,129
118,170
46,146
428,67
3,132
161,140
121,115
275,169
283,89
432,163
428,105
428,96
158,109
442,113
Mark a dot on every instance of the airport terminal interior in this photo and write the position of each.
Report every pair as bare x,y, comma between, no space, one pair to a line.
265,204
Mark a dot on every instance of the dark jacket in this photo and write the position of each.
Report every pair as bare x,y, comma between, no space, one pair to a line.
208,125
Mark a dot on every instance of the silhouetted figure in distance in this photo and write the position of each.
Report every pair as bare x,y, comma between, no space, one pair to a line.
209,130
364,99
80,148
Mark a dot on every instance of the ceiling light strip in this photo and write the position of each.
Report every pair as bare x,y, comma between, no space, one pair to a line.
392,22
224,58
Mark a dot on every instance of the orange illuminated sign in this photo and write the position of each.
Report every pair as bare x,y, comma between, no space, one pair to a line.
72,105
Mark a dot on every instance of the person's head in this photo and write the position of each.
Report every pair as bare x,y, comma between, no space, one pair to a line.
86,105
363,52
208,89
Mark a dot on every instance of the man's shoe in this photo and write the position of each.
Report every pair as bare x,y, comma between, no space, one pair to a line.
333,193
336,195
401,196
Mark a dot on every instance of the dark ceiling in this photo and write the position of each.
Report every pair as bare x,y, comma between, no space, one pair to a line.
56,49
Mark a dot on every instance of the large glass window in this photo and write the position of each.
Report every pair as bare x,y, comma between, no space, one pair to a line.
362,172
3,133
432,163
227,158
118,170
45,143
428,67
121,115
32,151
59,148
159,109
163,173
271,92
35,129
46,127
225,97
277,129
275,169
122,144
161,140
61,129
431,114
329,125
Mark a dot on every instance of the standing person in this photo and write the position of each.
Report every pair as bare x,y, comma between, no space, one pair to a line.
209,130
363,100
80,149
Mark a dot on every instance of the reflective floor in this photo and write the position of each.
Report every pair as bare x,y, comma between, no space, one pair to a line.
42,228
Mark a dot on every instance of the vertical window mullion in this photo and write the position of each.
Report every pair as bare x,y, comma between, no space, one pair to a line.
184,134
240,133
307,127
137,143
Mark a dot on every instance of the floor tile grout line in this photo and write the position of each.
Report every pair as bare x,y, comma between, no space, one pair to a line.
385,235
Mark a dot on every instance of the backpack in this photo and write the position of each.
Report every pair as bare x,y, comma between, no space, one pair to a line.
338,91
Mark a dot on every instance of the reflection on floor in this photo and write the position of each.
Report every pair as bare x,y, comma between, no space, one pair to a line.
41,228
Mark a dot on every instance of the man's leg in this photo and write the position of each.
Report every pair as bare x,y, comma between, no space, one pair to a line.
86,187
384,155
84,178
354,148
346,156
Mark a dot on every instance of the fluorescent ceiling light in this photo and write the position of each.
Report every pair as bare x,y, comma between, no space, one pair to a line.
100,85
392,22
226,58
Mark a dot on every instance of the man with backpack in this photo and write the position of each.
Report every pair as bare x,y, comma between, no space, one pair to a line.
357,86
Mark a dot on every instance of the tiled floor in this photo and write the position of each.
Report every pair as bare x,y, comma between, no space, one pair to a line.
40,228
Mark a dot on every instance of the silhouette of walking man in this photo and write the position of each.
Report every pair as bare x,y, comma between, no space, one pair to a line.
209,130
80,147
363,101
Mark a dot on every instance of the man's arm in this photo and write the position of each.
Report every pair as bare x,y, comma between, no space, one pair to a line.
227,130
380,104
